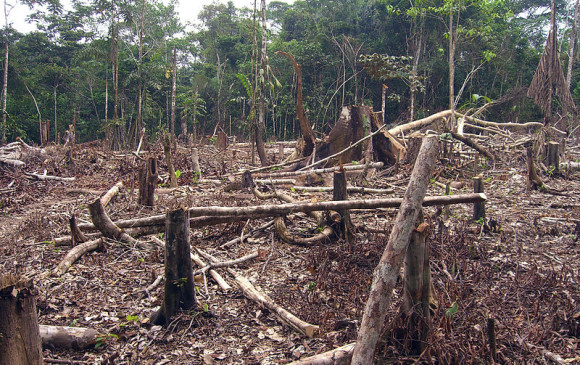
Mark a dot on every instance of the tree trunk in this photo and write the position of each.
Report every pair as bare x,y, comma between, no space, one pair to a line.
77,338
174,94
148,178
4,86
179,284
169,160
570,52
259,127
452,42
416,316
19,336
387,271
305,128
56,141
340,193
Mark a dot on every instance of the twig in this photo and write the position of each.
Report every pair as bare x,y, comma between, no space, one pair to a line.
220,264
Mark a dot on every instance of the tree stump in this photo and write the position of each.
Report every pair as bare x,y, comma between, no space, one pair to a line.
553,158
19,335
415,307
167,142
179,285
195,163
222,141
478,208
148,178
340,193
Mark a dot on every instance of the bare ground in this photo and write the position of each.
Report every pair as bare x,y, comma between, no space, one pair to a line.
521,267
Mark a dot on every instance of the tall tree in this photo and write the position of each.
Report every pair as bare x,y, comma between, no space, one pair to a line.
259,127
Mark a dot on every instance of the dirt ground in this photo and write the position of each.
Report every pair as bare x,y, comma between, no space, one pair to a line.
520,266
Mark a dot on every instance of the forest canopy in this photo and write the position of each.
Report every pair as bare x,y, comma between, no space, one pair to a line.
107,65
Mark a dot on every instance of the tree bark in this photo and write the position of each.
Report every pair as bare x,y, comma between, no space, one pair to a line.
573,36
148,178
77,338
415,315
174,93
478,208
305,128
19,336
179,284
386,272
339,193
5,82
169,161
338,356
75,253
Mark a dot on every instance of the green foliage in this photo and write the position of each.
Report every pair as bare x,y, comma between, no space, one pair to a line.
450,312
104,338
177,173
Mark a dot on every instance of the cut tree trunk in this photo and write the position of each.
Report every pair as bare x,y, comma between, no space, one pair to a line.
307,146
195,164
340,193
476,146
305,207
338,356
77,338
553,159
75,253
169,160
106,226
179,284
148,179
478,208
387,271
415,316
19,337
386,147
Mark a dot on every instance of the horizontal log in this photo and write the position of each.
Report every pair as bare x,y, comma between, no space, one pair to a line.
77,338
329,169
338,356
282,209
350,189
159,221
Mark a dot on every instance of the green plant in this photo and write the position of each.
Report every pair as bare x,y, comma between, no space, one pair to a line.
450,312
205,307
213,140
480,221
177,174
101,339
311,285
196,175
487,180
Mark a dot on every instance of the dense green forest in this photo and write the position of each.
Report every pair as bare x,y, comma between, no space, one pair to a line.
107,65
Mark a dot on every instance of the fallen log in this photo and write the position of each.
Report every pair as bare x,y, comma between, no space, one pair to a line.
476,146
374,165
501,125
265,301
350,189
305,207
77,338
419,123
388,269
106,198
338,356
45,177
156,222
226,263
106,226
75,253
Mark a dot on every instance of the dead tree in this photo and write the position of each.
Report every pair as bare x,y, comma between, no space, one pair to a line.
148,179
340,193
166,140
305,145
549,80
19,337
179,285
415,307
387,271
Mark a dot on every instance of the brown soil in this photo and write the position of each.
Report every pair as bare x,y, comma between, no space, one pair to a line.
520,266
